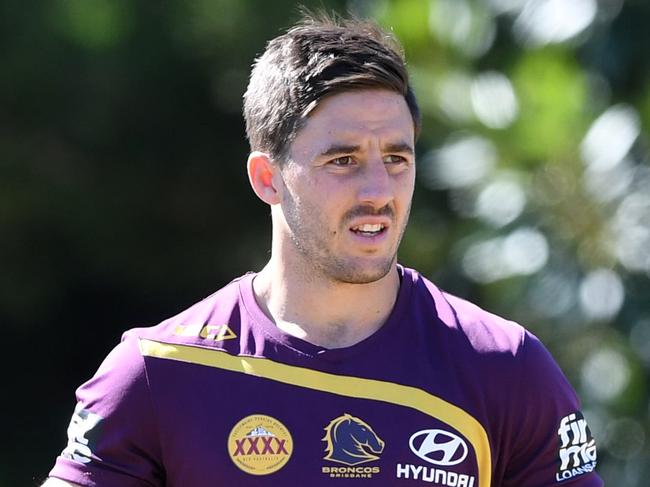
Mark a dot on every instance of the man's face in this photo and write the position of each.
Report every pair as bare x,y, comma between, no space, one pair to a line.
347,186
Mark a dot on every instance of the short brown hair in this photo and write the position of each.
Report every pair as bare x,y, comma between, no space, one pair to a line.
321,55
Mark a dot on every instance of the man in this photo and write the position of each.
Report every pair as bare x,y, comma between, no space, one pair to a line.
333,364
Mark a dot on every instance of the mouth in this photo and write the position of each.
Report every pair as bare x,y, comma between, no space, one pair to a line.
369,229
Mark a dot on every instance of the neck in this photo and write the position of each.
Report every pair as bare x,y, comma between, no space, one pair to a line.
321,311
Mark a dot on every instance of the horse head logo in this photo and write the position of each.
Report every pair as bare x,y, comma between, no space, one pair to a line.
351,441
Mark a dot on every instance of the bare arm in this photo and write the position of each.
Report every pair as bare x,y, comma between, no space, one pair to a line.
54,482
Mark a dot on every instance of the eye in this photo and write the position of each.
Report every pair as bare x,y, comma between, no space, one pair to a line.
342,161
394,159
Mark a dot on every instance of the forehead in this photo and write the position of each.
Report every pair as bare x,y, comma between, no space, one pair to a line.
357,117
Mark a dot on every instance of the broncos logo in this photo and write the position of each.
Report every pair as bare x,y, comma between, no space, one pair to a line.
351,441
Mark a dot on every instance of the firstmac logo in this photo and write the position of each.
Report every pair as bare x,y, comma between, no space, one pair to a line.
438,447
577,453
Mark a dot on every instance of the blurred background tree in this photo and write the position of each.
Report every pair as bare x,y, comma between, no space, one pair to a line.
123,196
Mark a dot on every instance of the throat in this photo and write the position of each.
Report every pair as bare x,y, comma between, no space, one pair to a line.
331,335
323,314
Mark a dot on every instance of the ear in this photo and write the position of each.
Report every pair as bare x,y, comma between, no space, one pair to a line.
261,175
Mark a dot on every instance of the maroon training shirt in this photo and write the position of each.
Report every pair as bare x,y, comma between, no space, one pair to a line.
443,394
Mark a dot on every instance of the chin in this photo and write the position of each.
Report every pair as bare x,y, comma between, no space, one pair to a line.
356,273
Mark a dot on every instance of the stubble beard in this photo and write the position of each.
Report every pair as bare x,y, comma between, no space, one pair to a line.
319,261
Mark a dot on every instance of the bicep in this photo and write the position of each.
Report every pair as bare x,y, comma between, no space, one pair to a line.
112,436
552,442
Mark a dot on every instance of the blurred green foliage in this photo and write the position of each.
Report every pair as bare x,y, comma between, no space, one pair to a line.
123,196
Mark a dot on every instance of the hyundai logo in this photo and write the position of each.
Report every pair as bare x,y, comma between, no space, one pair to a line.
438,447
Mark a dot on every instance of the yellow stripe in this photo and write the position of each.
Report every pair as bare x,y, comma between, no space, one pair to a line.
389,392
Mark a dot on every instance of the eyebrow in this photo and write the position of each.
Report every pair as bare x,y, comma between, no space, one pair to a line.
348,148
399,147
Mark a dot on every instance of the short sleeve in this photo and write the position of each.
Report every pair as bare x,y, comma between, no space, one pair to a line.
112,436
552,444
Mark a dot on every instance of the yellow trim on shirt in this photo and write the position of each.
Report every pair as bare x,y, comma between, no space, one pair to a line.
342,385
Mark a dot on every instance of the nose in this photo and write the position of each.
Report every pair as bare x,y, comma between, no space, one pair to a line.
376,187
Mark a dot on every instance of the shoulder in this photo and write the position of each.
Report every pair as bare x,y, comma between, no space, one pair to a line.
209,322
490,348
124,376
486,331
461,320
487,343
531,411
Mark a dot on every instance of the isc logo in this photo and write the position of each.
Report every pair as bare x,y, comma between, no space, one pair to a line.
217,333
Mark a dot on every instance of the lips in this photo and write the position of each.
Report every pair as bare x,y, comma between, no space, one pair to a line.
369,229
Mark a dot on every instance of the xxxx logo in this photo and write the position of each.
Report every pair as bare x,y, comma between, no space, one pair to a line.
271,445
260,445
